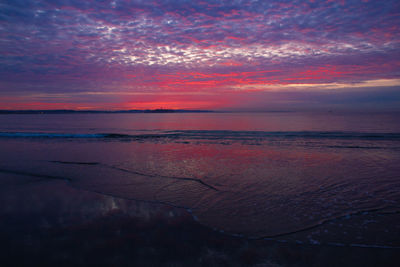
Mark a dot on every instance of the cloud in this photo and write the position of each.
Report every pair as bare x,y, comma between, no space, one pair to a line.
60,47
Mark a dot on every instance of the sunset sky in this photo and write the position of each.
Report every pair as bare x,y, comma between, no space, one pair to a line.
228,55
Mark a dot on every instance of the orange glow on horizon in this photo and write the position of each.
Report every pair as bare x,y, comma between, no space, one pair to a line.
173,105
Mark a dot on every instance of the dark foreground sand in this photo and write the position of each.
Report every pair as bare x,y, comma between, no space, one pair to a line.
49,223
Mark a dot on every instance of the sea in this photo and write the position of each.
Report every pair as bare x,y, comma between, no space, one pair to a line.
305,178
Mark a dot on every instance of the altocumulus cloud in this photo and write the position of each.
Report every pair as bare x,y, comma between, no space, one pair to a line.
198,54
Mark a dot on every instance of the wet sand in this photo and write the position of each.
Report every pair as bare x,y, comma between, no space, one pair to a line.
49,223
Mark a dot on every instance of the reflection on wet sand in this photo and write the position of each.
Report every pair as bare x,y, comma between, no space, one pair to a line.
259,191
47,222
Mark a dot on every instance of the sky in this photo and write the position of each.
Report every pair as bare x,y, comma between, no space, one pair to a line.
220,55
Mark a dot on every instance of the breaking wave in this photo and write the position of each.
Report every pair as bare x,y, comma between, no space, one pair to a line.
210,135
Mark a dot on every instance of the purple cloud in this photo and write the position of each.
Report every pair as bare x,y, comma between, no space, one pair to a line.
66,47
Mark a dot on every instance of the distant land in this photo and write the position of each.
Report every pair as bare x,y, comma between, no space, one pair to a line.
160,110
63,111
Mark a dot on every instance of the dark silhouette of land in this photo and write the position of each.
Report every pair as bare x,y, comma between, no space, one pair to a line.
65,111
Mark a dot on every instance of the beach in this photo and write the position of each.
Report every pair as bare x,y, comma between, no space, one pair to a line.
97,191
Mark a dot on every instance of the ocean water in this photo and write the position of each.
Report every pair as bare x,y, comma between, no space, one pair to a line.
313,178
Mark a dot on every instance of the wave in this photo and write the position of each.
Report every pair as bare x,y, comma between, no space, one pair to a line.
210,135
48,135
